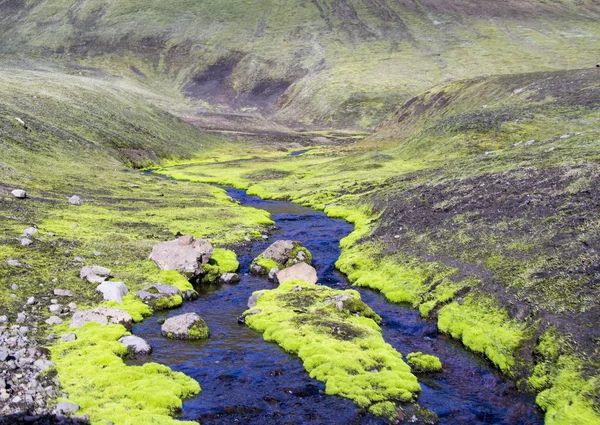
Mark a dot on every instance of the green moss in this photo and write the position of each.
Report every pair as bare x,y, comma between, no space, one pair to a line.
485,328
264,265
423,363
163,303
344,349
294,254
564,394
199,331
385,409
91,370
211,274
226,260
132,305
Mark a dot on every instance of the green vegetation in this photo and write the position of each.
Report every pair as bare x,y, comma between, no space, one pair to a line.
343,348
423,363
226,260
91,370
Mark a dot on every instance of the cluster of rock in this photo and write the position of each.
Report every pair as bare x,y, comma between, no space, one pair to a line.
25,388
22,194
290,261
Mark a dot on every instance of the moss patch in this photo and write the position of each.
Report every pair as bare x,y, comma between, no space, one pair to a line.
423,363
92,372
344,348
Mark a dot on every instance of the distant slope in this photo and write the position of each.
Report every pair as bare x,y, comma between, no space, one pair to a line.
318,62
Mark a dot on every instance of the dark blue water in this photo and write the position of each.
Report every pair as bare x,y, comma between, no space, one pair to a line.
246,380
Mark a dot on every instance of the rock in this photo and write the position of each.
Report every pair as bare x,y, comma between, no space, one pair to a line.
3,319
94,274
75,200
3,355
279,251
43,364
63,293
30,231
68,337
272,274
66,407
113,291
186,326
19,193
253,299
281,254
300,271
14,287
54,320
136,345
229,278
78,260
26,242
55,308
160,296
13,263
31,301
102,315
185,254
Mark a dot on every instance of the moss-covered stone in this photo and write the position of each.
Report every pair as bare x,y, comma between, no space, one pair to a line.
423,363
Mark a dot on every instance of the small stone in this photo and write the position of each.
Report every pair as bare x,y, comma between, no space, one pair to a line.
66,407
75,200
273,273
31,301
97,253
14,287
63,293
229,278
55,308
136,345
3,355
3,319
54,320
78,259
13,263
30,231
72,306
68,337
19,193
26,242
43,365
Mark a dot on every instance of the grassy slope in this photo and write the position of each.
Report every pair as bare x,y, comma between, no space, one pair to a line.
81,136
459,216
350,62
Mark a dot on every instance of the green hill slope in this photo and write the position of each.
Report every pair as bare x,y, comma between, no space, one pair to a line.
319,62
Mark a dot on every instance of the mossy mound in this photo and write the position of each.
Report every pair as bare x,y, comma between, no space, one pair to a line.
338,338
222,261
91,370
423,363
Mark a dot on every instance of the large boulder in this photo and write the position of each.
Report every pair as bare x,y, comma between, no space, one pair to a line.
186,326
102,315
94,274
300,271
161,296
136,345
185,254
113,291
281,254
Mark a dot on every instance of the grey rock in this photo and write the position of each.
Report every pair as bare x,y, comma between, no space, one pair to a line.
136,345
2,384
94,274
102,315
253,299
229,278
113,291
279,251
68,337
63,293
72,306
43,364
31,301
26,242
14,287
55,308
21,318
97,253
30,231
13,263
185,254
66,407
151,294
185,326
75,200
272,273
3,355
54,320
3,319
300,271
78,259
19,193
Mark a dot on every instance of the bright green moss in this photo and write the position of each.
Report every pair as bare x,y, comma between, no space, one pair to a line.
211,274
294,254
385,409
423,363
91,370
343,348
132,305
226,260
264,265
199,331
485,328
564,394
163,303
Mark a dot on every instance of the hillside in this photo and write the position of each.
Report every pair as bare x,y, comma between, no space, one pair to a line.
344,63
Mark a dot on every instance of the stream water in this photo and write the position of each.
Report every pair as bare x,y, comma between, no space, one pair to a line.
249,381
